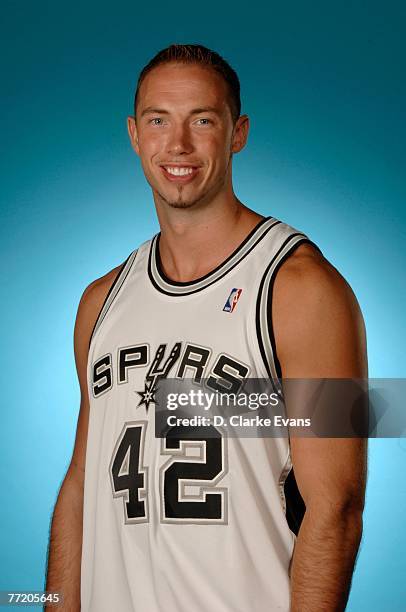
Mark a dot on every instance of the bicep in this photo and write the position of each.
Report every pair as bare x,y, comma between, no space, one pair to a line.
320,334
83,329
330,472
89,308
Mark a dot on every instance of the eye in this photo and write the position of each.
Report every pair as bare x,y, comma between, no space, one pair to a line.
207,121
156,120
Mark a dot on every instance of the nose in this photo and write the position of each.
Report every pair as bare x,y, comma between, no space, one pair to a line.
179,140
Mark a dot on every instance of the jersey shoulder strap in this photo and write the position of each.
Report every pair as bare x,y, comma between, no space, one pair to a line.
113,291
282,244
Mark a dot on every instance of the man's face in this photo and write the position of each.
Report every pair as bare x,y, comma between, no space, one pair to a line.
184,133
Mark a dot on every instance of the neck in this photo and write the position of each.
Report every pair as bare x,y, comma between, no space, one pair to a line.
194,242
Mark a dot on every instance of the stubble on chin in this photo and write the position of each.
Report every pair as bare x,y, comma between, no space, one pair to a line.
180,203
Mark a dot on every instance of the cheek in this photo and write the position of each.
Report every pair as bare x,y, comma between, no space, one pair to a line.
221,152
151,142
213,147
149,150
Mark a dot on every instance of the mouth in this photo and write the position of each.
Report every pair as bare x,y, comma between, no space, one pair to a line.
179,174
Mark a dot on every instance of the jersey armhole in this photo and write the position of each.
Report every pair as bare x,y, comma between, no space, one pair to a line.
113,292
263,315
294,506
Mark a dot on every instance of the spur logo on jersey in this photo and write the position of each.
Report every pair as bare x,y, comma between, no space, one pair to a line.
232,300
223,374
158,369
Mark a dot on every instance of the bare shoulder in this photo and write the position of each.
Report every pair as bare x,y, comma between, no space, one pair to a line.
96,292
306,277
315,310
306,266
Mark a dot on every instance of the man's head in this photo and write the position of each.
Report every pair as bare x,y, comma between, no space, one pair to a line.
187,124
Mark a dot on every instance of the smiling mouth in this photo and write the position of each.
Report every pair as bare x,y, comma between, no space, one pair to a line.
182,174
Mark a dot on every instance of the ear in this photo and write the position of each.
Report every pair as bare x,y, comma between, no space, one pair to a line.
133,134
240,133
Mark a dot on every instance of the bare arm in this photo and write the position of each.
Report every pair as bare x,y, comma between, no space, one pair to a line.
319,333
65,548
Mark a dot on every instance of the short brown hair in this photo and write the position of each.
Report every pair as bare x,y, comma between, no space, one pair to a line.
197,54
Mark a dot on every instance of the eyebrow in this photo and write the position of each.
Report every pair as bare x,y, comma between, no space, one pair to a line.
195,111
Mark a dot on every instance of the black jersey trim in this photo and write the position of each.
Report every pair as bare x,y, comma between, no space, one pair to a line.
295,506
212,272
271,335
211,277
259,301
119,278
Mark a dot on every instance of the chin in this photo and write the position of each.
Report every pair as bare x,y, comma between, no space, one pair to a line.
180,204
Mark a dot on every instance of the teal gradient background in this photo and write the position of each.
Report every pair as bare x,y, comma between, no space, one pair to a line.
324,86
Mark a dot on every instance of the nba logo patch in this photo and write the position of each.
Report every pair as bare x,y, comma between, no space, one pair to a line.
232,300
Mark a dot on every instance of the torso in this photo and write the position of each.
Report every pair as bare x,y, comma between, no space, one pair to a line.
225,543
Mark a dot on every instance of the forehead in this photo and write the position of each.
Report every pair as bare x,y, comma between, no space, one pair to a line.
179,85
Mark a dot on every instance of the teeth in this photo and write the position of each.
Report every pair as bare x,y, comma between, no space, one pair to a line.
177,171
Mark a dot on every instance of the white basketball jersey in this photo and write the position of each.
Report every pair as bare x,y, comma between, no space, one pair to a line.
202,527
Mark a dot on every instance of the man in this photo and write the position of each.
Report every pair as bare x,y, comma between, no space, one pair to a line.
220,292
